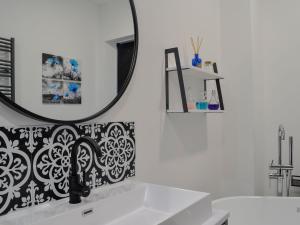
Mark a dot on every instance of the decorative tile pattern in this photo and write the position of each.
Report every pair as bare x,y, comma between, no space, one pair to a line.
35,161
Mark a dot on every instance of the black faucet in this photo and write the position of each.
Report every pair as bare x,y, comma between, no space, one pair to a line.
77,189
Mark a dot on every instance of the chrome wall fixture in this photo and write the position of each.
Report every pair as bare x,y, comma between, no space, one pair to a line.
283,172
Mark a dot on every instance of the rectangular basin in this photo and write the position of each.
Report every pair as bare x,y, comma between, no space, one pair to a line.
126,203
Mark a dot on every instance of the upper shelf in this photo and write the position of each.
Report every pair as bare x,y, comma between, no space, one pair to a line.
197,72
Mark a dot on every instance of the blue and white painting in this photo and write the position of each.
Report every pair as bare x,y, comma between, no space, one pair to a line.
72,93
61,80
52,91
71,69
52,66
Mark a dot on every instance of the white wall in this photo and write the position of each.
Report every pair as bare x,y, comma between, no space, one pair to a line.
181,150
259,49
116,23
278,50
236,52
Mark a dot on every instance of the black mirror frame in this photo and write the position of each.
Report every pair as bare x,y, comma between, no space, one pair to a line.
14,106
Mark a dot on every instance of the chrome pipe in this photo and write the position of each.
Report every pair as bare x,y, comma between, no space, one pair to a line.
275,176
281,167
291,147
288,181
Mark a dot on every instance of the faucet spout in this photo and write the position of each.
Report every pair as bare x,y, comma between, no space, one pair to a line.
281,132
78,189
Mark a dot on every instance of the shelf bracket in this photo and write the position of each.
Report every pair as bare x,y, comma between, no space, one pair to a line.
175,51
219,87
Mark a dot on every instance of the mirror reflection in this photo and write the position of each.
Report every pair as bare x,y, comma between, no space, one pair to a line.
65,59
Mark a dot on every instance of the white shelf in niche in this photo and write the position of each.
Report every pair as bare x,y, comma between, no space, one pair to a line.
196,72
195,111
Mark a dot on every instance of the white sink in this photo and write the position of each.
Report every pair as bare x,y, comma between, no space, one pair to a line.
126,203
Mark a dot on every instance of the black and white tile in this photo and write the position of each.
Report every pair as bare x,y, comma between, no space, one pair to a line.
35,161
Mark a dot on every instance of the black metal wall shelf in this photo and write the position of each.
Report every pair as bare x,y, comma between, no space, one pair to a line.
7,67
190,71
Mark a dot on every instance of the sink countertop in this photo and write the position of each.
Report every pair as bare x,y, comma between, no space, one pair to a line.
125,203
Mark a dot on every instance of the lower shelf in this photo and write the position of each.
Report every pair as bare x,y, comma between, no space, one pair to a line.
195,111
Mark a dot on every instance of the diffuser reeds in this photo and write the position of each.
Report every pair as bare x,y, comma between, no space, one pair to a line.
196,46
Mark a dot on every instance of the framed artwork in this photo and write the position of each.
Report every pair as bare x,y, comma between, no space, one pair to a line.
61,80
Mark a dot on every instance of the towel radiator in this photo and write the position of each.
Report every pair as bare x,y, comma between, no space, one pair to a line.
7,67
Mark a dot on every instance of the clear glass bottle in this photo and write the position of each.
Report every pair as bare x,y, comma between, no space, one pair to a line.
213,102
208,66
190,100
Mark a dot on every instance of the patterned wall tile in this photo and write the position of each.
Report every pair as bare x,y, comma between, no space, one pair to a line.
51,163
35,161
15,171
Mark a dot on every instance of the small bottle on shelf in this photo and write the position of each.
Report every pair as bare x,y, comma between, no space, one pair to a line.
213,102
190,100
208,67
203,103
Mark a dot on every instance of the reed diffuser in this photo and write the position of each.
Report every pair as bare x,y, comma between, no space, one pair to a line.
197,61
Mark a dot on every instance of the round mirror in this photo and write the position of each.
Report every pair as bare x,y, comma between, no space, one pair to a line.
66,61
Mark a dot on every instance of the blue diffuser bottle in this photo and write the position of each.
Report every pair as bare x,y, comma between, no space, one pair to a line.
197,61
